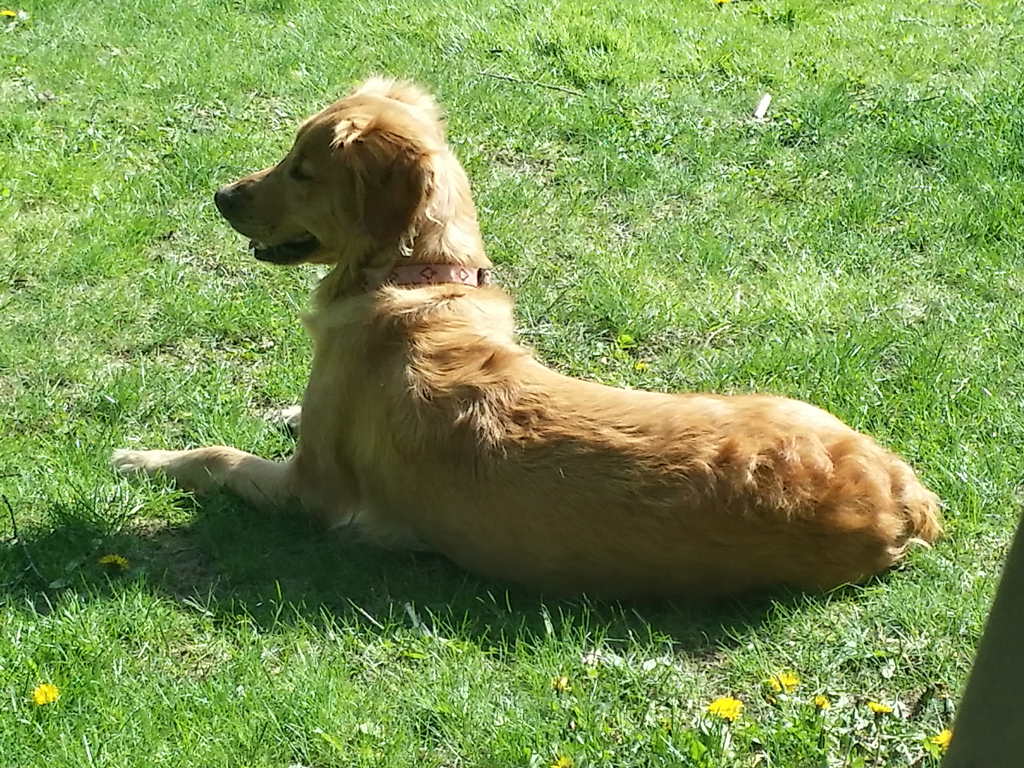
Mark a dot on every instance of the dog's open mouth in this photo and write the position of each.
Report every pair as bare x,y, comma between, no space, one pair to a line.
288,252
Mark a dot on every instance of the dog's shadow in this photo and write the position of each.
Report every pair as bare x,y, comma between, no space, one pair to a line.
230,561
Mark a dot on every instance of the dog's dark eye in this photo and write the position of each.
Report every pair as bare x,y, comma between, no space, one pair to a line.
298,174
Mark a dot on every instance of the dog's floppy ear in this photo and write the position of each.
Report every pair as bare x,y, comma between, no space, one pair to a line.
391,174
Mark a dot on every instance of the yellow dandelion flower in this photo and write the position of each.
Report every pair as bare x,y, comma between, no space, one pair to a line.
942,739
721,2
561,684
562,762
642,366
879,709
822,703
44,694
114,562
726,708
7,13
784,682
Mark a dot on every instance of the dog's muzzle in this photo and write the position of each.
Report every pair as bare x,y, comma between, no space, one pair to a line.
231,200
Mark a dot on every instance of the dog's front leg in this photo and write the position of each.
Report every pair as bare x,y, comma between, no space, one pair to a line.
258,481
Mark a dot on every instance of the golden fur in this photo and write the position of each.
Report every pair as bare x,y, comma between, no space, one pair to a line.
426,425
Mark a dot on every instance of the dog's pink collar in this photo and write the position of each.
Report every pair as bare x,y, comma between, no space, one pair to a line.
436,274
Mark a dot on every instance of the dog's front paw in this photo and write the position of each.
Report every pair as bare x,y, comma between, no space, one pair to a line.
288,417
132,463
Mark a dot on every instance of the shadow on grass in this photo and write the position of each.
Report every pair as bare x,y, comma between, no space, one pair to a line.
231,562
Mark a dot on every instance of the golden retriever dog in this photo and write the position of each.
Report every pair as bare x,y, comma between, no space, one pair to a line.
425,425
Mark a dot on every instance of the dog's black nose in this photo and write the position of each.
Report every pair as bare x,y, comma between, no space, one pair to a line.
226,199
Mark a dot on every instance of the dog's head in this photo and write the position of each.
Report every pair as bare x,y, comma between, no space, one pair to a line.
357,178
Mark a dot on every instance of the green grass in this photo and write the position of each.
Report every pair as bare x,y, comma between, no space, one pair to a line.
863,249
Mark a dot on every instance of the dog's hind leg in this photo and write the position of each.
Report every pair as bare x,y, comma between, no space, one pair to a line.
258,481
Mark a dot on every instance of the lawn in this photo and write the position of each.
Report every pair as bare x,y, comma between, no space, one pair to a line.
862,249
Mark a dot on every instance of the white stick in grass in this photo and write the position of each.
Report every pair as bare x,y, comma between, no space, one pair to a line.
762,107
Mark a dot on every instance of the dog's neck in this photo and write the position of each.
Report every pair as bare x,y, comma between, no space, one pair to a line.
446,231
444,237
392,266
